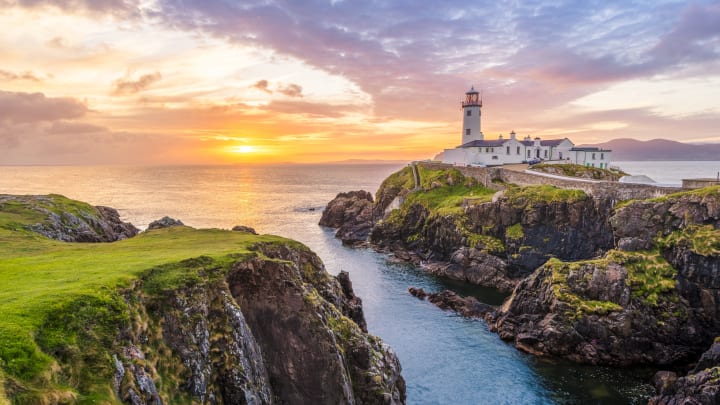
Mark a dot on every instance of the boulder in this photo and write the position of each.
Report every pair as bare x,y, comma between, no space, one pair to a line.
244,229
164,222
352,214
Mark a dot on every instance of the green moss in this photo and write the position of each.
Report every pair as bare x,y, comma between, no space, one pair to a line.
701,239
650,276
530,195
705,192
486,243
580,305
59,301
515,232
444,191
585,172
402,179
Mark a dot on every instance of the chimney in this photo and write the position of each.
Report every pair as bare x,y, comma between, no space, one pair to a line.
512,135
500,137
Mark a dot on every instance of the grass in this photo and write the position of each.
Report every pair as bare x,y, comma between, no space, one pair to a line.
701,239
515,232
402,179
582,306
705,192
57,296
530,195
580,171
650,277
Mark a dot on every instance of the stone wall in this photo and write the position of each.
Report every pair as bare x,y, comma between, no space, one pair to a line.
619,191
699,183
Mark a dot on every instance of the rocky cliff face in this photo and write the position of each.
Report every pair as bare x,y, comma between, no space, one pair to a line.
276,328
593,282
655,301
700,386
352,214
495,241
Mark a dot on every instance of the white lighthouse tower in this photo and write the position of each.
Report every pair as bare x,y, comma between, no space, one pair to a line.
471,117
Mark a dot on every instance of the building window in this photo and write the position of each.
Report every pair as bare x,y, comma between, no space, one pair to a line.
602,156
467,131
494,157
518,150
469,113
545,153
507,150
528,153
593,157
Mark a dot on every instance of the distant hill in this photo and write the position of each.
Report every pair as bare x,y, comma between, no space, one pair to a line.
659,149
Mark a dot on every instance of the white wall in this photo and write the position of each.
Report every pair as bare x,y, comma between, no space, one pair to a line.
592,159
471,122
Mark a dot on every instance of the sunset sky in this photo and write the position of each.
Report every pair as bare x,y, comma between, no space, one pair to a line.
203,81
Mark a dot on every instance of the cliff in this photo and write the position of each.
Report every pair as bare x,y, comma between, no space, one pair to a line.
179,315
593,279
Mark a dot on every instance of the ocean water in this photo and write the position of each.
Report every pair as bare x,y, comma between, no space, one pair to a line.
672,172
446,359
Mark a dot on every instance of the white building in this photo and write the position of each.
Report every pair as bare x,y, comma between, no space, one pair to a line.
475,150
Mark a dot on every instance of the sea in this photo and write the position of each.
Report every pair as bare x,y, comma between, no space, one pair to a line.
446,359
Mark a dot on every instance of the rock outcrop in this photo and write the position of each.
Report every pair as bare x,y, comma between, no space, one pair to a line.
67,220
244,229
700,386
352,214
275,328
165,222
656,302
449,300
496,242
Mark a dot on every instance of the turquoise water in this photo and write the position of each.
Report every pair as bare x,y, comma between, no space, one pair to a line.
446,359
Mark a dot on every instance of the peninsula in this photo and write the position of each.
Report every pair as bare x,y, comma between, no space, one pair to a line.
95,312
599,272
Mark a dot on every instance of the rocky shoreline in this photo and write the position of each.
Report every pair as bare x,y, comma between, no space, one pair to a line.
593,280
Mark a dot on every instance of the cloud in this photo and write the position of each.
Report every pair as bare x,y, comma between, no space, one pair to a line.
120,8
35,107
263,86
127,86
316,110
291,90
10,76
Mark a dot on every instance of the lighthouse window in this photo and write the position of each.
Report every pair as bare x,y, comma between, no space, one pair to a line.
518,150
469,113
467,131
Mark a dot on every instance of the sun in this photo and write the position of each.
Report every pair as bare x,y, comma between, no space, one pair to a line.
244,149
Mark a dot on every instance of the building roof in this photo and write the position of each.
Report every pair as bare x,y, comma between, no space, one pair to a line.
483,144
589,149
500,142
553,142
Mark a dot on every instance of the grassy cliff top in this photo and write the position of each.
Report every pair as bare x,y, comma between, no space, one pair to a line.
580,171
39,275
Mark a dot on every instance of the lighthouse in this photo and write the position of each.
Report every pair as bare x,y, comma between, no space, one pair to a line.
471,116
